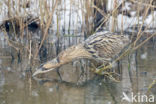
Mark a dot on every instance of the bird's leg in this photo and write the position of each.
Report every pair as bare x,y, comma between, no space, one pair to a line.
58,72
78,65
110,76
109,66
100,70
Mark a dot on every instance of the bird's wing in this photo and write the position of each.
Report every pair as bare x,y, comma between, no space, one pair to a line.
105,46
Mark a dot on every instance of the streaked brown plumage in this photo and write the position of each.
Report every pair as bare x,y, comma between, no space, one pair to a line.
100,46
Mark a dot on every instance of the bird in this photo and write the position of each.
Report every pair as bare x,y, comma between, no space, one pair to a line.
101,46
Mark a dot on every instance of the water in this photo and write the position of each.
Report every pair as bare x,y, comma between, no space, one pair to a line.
18,87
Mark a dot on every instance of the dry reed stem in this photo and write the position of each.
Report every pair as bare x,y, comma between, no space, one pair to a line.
138,46
114,16
151,85
108,16
144,17
17,46
30,50
99,10
122,25
9,42
41,13
145,4
47,27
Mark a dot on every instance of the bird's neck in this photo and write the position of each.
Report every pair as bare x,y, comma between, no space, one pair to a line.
73,53
68,55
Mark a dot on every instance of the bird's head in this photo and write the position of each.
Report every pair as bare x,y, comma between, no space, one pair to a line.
64,57
46,67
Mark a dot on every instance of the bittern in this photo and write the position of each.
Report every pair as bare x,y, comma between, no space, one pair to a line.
101,46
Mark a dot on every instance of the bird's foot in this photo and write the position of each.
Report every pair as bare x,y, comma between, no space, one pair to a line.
101,69
111,76
58,72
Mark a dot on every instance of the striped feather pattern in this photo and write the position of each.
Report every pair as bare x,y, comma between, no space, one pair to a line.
105,46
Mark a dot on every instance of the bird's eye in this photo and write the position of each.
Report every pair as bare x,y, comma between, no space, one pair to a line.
43,69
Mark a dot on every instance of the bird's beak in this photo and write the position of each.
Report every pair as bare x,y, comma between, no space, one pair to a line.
46,67
38,71
41,70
